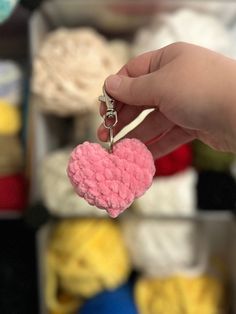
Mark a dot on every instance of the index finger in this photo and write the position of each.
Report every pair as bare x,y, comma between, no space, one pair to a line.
142,64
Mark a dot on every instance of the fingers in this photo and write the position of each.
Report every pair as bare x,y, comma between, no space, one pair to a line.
169,142
153,60
138,91
142,64
134,83
153,126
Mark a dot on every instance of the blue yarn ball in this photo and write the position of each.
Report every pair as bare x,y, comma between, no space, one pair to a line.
116,302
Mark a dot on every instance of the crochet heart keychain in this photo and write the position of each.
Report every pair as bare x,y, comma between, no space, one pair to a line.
112,179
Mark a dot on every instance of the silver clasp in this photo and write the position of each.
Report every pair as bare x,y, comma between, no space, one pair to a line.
110,117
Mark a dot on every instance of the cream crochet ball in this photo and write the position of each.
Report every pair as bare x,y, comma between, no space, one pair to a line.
160,248
56,191
70,69
187,25
170,196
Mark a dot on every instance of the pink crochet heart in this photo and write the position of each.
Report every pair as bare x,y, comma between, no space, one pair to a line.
111,181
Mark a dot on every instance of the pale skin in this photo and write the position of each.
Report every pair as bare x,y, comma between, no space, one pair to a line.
192,91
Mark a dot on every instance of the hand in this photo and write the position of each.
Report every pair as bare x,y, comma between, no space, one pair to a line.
192,91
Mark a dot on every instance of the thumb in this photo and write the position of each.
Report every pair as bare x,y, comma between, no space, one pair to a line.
137,91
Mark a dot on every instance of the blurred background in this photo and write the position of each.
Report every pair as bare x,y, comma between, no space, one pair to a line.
173,251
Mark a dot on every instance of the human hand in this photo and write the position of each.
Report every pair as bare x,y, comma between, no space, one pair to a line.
192,91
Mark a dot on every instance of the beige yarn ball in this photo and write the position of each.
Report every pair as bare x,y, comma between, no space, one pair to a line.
57,192
70,69
170,196
160,248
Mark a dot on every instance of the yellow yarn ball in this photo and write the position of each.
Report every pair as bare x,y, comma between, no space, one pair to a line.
178,295
85,257
10,119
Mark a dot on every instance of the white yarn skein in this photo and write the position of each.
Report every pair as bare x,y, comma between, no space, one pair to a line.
173,195
11,82
224,12
185,25
57,192
70,70
160,248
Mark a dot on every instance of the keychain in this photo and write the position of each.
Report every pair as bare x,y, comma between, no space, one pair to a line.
112,179
110,117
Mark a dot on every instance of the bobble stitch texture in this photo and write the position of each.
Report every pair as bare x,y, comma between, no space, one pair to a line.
111,181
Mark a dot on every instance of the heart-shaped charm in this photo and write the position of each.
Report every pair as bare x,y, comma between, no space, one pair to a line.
111,181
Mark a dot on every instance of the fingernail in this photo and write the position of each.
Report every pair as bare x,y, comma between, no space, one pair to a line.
113,82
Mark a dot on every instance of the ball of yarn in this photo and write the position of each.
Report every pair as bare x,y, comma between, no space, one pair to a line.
176,161
216,191
56,191
116,301
70,70
85,257
10,120
173,195
6,8
206,158
178,295
162,248
11,82
11,155
13,192
185,25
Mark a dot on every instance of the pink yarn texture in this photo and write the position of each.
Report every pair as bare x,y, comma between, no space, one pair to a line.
111,181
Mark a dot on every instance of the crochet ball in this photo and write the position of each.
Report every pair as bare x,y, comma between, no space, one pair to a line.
85,257
111,181
116,301
178,295
7,6
10,120
177,161
56,191
162,248
181,187
13,192
216,191
11,156
206,158
70,69
185,25
11,82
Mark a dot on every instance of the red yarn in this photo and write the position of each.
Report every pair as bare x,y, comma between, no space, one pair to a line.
13,192
174,162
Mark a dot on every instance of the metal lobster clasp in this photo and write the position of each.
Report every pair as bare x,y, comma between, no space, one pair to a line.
110,117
